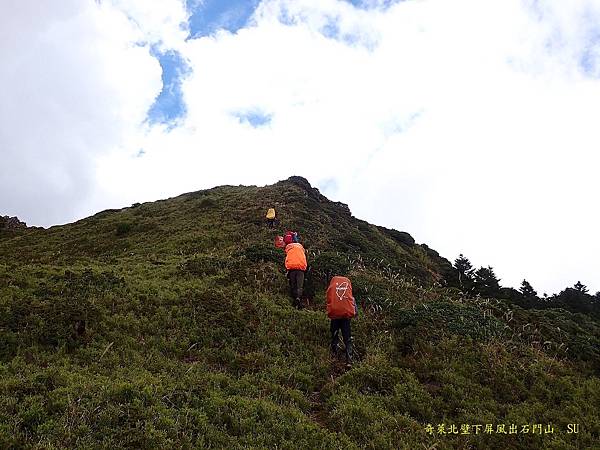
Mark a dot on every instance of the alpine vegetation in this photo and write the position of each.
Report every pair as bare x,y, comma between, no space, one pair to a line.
171,324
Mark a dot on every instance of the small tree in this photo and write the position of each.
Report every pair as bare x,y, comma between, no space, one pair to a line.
527,290
486,283
528,296
465,271
581,287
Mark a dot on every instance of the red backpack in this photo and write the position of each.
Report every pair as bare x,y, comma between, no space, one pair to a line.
290,236
279,242
340,301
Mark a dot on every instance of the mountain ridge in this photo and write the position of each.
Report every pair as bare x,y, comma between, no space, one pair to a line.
168,324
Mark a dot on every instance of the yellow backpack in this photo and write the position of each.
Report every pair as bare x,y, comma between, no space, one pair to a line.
271,213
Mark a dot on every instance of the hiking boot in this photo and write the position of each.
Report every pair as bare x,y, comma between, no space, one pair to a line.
335,351
349,355
348,361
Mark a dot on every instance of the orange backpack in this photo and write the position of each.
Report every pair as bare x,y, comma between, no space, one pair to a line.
295,257
340,301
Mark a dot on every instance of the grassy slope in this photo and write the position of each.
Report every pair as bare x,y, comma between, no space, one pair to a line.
191,340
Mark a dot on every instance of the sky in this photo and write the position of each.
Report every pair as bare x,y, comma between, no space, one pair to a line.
471,124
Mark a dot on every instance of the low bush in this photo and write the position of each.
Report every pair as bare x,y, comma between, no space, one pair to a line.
123,228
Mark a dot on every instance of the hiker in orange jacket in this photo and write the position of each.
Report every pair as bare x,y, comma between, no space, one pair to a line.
341,307
295,264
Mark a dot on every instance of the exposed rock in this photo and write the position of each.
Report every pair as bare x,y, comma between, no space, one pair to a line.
343,207
305,185
300,181
11,223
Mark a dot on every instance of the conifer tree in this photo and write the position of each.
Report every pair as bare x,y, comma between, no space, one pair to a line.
581,287
486,283
527,290
465,271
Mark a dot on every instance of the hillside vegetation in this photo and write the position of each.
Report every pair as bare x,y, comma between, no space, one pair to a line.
168,325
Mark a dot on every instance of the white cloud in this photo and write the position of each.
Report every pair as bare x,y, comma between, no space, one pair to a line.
469,124
73,87
161,22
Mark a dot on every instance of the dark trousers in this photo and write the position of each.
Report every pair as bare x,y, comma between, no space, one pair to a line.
296,278
270,223
342,325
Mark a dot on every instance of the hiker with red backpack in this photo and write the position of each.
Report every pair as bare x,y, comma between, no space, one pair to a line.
295,264
341,307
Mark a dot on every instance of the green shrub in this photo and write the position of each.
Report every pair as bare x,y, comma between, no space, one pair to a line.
372,292
207,203
440,318
123,228
263,253
328,264
206,265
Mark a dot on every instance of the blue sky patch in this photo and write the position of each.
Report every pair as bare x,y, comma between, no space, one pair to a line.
331,30
169,105
590,58
372,4
208,16
255,118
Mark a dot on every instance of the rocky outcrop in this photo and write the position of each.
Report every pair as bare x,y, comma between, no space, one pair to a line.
303,183
11,223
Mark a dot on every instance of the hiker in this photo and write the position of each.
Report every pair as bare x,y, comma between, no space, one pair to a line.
270,217
341,307
295,264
